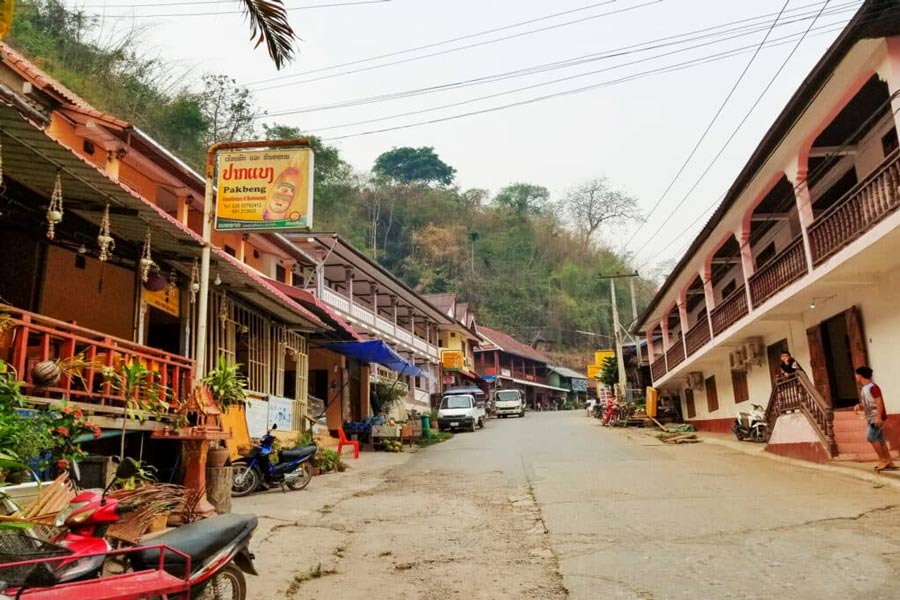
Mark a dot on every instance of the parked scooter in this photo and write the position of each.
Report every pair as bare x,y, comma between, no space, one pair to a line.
256,472
752,425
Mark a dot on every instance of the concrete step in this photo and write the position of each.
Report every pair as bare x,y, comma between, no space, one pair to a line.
849,425
869,456
850,437
855,448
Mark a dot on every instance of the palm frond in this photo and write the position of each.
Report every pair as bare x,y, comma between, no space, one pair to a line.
269,24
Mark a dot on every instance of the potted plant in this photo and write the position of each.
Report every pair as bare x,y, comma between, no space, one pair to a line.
227,384
217,455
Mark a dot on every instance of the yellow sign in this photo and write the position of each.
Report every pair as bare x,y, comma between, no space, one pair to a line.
602,355
453,360
652,398
166,300
593,371
265,189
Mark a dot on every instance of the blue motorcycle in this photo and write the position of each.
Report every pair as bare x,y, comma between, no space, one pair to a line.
255,471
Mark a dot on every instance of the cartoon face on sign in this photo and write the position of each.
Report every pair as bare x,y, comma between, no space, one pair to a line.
282,193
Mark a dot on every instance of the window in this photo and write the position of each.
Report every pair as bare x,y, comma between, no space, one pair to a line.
453,334
418,383
741,389
889,142
230,250
767,254
712,395
280,273
689,400
729,288
457,402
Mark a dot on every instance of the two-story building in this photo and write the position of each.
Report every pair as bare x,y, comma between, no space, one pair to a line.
803,254
512,363
458,341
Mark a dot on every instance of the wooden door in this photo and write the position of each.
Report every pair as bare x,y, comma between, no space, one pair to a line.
773,352
712,395
856,336
818,363
689,401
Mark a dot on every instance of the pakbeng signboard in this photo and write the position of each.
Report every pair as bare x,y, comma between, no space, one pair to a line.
265,189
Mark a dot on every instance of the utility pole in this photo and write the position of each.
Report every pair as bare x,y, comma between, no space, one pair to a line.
634,318
620,358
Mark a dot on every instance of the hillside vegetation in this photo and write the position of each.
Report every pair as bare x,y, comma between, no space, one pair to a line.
527,262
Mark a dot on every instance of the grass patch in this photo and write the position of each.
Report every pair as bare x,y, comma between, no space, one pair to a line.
316,572
436,438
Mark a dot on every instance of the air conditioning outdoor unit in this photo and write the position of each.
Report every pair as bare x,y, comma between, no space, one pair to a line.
738,359
695,380
755,351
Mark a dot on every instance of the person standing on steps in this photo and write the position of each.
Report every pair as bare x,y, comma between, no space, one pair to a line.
872,405
789,365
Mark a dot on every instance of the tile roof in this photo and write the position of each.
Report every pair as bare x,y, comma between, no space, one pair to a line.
40,78
445,302
511,345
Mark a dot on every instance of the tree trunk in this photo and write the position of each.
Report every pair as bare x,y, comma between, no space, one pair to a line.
218,488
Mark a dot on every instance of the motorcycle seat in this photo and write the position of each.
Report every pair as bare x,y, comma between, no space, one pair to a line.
297,453
199,540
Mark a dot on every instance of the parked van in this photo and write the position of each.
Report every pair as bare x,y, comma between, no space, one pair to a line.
460,411
509,402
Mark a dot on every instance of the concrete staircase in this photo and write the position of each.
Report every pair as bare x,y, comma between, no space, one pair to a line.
850,436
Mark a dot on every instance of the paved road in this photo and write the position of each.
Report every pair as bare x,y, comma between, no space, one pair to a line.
614,514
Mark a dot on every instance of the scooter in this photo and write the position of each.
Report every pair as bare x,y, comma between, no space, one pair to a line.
255,470
751,425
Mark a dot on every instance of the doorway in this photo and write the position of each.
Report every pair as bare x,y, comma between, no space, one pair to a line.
773,352
163,331
837,347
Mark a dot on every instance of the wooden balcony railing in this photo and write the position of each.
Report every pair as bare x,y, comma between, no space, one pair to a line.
658,368
733,308
675,354
697,336
28,338
873,199
786,268
798,394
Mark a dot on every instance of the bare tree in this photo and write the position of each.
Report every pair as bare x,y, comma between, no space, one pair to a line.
594,203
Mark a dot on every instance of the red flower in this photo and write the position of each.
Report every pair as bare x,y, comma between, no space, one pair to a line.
79,413
96,433
62,463
90,425
67,410
62,430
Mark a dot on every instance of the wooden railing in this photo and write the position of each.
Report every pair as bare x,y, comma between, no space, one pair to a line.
798,394
675,354
28,338
877,196
697,336
786,268
658,368
733,308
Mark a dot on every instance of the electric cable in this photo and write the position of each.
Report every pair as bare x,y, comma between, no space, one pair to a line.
230,12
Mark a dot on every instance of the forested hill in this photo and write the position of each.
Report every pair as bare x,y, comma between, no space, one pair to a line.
526,261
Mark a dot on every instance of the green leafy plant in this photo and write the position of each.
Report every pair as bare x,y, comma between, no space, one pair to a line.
141,390
143,474
389,393
227,384
329,460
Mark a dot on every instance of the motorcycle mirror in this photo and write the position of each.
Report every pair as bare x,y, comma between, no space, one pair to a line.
126,469
274,426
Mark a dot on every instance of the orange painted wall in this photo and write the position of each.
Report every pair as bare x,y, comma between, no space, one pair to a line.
72,294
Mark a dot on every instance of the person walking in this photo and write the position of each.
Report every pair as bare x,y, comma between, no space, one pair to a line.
872,405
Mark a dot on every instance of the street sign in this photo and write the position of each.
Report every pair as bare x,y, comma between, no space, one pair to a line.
269,189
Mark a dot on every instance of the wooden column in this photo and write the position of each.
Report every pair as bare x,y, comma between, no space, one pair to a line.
797,175
747,266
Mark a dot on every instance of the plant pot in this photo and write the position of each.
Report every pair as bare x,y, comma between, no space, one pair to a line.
158,523
217,457
315,471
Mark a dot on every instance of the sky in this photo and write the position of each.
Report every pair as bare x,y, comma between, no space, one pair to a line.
650,76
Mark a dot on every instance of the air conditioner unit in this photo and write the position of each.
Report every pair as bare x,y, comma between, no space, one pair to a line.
755,351
695,380
738,360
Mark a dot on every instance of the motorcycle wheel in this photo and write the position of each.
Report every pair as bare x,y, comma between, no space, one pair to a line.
301,480
243,480
227,584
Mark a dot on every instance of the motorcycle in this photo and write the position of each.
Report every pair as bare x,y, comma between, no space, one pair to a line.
751,425
256,471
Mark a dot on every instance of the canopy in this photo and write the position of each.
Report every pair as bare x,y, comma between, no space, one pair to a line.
376,351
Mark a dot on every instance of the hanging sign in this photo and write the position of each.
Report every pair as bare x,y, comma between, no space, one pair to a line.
166,299
453,360
265,189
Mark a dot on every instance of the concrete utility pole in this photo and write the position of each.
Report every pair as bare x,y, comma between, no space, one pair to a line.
620,358
634,318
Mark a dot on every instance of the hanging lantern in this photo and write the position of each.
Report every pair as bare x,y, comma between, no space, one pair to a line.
195,281
104,239
55,209
146,262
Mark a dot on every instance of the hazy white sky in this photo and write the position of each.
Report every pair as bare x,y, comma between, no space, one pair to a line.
637,133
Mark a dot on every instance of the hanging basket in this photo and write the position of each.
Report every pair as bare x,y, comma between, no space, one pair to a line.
156,282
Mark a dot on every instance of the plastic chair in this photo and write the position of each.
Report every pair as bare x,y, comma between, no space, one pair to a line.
346,442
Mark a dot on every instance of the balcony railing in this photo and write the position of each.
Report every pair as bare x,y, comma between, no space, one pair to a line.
28,338
873,199
733,308
697,336
658,368
783,270
675,354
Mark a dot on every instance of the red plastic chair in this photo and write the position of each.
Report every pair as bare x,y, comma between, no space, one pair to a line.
345,442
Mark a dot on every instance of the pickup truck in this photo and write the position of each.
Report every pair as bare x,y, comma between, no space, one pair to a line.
460,411
509,402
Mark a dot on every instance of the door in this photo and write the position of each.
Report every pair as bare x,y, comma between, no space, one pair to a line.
689,401
837,346
817,362
773,352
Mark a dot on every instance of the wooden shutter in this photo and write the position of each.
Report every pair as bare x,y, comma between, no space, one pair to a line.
817,363
740,387
689,400
712,395
856,337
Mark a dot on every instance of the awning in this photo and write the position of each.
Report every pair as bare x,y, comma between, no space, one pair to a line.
378,352
533,384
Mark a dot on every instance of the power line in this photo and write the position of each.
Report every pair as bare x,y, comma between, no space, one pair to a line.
474,45
202,2
230,12
566,63
435,44
709,126
668,69
739,126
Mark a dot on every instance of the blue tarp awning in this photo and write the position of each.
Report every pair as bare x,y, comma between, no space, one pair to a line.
376,351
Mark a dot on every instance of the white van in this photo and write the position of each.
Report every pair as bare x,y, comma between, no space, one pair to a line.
460,411
509,402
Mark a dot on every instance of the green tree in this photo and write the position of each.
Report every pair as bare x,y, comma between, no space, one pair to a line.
609,371
329,166
523,198
414,165
229,110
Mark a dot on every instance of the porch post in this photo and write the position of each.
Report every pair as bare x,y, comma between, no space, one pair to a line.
664,325
709,295
742,236
348,281
796,174
650,349
683,318
889,72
